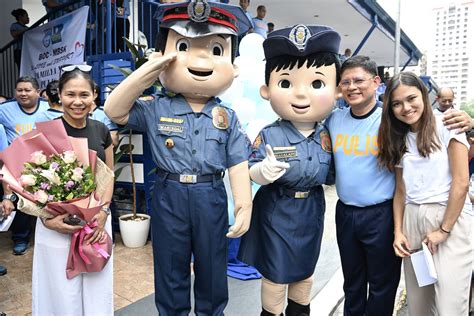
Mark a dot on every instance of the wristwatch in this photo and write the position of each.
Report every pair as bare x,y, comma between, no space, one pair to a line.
11,197
106,210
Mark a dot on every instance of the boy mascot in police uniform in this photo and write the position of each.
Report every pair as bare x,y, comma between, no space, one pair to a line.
291,159
193,140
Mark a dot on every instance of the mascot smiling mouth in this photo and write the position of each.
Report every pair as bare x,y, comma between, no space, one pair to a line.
200,73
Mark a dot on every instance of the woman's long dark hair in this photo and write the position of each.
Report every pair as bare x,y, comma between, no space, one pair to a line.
392,132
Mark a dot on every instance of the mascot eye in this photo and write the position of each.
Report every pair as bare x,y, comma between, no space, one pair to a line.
182,45
217,49
285,84
318,84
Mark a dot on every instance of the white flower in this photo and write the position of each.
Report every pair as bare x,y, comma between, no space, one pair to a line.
69,156
51,176
38,158
77,174
27,180
41,196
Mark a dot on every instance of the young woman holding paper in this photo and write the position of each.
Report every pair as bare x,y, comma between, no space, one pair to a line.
430,204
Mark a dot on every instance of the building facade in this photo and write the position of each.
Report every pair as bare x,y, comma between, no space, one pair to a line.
451,58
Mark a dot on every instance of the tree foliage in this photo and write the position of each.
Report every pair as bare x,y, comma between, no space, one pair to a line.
468,107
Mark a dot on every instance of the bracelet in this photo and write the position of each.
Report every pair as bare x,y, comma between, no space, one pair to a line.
106,210
443,230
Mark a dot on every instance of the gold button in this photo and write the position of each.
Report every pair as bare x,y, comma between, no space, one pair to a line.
169,143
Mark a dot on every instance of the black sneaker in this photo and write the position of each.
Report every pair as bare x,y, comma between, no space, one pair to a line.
20,248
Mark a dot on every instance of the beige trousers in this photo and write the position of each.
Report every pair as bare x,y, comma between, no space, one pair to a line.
453,260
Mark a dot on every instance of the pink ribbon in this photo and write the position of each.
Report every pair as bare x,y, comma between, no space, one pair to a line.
86,230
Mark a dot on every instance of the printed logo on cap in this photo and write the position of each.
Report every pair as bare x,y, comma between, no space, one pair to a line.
199,10
299,36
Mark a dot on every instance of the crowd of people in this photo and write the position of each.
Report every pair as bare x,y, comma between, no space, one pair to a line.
401,170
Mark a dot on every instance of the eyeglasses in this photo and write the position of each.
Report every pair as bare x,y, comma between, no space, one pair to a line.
82,67
358,82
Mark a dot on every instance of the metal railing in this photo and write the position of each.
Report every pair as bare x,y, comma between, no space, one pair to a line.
108,23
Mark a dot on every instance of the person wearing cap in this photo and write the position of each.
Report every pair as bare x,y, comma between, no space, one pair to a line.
291,159
194,139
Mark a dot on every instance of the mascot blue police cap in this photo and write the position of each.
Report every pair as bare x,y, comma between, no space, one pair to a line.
198,18
301,40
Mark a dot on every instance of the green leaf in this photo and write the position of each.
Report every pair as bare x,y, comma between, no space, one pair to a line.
140,61
132,49
124,71
119,170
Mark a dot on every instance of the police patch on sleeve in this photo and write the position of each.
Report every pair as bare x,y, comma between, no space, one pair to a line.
220,119
326,144
257,142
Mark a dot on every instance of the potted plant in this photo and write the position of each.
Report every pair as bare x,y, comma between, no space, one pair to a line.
134,227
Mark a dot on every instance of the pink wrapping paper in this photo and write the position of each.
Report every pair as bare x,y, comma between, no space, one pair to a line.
51,138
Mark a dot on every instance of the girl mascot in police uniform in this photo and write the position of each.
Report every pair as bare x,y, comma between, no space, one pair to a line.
193,140
291,159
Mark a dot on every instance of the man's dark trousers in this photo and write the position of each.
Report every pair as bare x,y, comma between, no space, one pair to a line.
365,239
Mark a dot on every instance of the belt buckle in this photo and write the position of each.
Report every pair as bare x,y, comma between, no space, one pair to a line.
301,195
187,178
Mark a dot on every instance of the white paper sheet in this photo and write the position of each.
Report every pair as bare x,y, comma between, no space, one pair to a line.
5,224
423,265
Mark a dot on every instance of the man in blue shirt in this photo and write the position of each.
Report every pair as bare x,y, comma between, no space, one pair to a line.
193,140
18,117
244,4
260,25
364,218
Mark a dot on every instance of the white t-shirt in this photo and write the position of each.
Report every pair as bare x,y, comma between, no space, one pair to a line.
437,112
428,180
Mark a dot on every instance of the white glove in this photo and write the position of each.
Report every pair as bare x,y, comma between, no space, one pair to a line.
269,169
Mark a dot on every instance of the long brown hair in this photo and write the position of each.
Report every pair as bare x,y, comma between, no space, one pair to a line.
392,132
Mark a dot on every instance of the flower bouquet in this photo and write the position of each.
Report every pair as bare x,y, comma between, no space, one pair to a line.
55,174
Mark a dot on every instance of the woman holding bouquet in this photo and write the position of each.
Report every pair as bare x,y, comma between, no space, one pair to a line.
87,293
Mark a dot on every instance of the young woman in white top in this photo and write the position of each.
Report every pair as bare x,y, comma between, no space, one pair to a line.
430,204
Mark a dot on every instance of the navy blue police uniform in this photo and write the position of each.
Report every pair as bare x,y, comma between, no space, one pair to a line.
287,223
191,151
189,214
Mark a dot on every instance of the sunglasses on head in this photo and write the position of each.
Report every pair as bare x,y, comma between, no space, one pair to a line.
82,67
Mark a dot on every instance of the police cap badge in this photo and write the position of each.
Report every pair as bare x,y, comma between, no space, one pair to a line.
301,40
198,18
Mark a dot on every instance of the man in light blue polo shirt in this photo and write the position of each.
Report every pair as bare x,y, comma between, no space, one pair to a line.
260,25
364,218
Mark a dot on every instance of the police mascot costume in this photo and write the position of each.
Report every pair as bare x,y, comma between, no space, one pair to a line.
291,159
193,139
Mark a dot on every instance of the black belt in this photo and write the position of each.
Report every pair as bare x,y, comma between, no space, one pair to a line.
189,178
296,193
